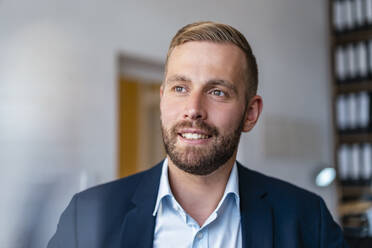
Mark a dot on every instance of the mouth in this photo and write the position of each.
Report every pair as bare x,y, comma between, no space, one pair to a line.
194,136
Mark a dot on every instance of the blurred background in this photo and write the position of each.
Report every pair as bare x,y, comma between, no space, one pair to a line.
79,97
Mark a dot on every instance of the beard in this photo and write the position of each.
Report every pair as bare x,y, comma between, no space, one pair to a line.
201,160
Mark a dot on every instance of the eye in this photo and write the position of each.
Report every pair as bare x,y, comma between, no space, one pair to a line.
179,89
218,93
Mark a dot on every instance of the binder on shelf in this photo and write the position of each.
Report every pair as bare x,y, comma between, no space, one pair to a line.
352,120
351,15
353,62
338,16
368,9
351,66
340,64
369,58
341,113
364,111
353,113
343,162
362,61
355,164
366,164
359,14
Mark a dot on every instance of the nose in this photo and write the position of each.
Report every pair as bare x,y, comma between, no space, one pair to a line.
195,107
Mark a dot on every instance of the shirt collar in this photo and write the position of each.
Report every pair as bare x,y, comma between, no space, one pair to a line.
164,188
232,187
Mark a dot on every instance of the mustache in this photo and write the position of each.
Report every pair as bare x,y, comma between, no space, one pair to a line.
199,124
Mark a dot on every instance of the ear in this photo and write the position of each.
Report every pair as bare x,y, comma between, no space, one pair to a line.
161,90
253,111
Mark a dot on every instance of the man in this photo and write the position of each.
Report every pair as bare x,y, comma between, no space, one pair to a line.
200,196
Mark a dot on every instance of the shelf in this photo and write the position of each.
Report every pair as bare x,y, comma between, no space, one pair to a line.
355,138
353,36
356,190
354,87
356,207
353,194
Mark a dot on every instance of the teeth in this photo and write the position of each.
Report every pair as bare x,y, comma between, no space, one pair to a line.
194,136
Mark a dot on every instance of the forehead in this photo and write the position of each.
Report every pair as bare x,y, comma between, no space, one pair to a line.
201,59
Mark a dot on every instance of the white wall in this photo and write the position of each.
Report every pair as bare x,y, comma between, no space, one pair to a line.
58,90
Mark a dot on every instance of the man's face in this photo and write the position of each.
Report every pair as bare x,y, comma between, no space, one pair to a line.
203,105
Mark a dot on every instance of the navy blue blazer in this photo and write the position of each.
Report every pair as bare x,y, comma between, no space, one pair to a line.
273,214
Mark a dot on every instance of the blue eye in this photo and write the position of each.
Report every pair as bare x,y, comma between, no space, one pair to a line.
218,93
179,89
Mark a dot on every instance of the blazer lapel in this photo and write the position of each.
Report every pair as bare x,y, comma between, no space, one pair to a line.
256,213
138,226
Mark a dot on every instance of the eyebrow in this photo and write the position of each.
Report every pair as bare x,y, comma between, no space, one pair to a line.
178,78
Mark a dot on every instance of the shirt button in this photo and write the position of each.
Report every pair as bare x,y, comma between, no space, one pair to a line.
199,235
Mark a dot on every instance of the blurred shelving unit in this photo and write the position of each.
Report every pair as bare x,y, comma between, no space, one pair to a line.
351,79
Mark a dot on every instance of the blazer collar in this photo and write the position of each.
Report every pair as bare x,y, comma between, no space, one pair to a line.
256,213
138,225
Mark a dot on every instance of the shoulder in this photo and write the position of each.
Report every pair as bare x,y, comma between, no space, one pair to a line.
281,194
119,189
102,208
294,210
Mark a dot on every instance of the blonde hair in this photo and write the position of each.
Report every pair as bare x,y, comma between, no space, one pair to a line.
219,33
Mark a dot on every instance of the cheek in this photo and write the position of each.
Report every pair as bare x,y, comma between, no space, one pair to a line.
222,122
169,112
227,119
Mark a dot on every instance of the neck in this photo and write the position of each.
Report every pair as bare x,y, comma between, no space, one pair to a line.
199,195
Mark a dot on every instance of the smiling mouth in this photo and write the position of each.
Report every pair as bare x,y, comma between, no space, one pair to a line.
194,136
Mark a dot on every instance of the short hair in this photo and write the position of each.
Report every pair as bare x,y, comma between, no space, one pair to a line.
219,33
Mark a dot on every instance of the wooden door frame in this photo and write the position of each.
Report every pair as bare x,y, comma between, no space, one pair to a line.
132,69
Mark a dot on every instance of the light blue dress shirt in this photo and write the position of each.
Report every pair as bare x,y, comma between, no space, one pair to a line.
175,228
